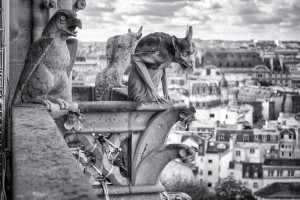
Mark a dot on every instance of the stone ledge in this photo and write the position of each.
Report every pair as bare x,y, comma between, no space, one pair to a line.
43,166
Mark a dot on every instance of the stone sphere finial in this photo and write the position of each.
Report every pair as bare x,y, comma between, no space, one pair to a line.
79,5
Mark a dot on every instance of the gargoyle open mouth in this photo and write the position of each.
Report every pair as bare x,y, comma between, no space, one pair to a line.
71,30
72,25
184,66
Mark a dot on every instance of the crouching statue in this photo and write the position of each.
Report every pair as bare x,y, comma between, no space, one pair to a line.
153,54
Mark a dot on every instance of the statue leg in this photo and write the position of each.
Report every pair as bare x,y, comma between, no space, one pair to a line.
63,104
143,71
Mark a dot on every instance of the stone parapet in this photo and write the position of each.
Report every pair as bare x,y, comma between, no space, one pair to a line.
43,166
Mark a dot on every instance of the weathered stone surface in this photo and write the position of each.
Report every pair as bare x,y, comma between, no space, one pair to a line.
83,93
118,53
116,116
43,166
153,54
119,94
149,192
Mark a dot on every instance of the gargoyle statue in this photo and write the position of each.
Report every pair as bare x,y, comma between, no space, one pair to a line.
119,49
153,54
49,63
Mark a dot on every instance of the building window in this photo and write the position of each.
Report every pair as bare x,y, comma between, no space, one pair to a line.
255,175
273,138
208,72
255,185
271,173
272,148
238,153
226,116
221,137
211,115
209,184
209,173
291,173
282,146
259,75
210,161
290,154
282,136
201,172
282,154
247,174
252,151
246,138
279,173
264,138
256,137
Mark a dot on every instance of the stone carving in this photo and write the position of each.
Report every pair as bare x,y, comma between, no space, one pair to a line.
49,62
74,121
153,54
79,5
118,53
175,196
48,4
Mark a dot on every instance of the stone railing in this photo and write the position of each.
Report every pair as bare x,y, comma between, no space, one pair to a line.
119,144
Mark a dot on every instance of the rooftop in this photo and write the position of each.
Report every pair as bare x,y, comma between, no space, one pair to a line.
282,162
239,134
280,190
216,147
248,59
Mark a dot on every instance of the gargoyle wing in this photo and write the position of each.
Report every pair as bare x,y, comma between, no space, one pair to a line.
72,46
34,56
148,43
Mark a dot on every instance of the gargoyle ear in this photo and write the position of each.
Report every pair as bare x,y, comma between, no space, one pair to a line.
129,30
139,33
189,33
175,41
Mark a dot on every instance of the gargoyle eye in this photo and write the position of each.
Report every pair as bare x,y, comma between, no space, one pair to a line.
185,53
62,18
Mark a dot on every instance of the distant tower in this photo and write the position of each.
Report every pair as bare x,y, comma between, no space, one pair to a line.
224,89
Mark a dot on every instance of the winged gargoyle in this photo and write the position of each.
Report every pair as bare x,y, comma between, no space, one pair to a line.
49,63
153,54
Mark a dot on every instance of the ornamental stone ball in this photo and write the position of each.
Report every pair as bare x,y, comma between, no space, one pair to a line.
49,63
153,54
119,49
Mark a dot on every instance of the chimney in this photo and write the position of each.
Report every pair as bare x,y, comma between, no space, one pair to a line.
281,62
232,141
272,64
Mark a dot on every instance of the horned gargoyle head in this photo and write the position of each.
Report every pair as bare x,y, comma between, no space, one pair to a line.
184,49
63,22
134,38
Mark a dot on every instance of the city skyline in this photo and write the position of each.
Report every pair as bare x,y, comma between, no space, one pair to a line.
211,19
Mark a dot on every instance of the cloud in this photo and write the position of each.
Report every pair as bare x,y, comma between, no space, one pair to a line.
223,19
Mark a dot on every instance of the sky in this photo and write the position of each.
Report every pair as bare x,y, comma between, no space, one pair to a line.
211,19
